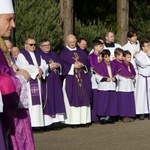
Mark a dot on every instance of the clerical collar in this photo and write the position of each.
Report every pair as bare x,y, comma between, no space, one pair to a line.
30,51
71,49
109,44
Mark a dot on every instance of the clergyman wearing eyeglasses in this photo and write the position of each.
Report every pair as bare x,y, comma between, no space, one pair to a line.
32,62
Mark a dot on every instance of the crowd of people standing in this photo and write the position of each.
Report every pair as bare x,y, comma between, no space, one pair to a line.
39,88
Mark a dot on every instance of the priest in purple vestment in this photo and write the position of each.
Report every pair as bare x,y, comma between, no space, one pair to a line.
52,96
76,84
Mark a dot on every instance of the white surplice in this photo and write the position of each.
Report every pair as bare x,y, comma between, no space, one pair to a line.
143,85
36,111
132,48
112,49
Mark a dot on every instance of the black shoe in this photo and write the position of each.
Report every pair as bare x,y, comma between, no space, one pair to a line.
74,126
37,129
85,125
46,129
142,117
103,122
109,121
54,128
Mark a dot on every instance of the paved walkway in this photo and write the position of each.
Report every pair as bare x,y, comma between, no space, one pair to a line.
118,136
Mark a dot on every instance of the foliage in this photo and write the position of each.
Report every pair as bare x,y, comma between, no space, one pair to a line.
139,18
90,31
38,19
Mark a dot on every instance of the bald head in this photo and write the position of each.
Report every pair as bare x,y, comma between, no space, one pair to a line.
71,41
15,51
109,36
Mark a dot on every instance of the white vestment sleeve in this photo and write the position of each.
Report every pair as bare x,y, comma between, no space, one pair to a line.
44,68
98,78
22,63
71,72
142,62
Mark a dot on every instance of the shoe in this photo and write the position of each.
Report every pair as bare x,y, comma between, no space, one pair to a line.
37,129
85,125
55,128
103,122
126,119
109,121
74,126
132,119
46,129
142,117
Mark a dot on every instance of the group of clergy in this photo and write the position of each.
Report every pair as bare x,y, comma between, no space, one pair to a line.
72,87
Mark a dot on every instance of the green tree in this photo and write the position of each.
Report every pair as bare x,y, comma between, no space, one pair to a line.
139,18
38,19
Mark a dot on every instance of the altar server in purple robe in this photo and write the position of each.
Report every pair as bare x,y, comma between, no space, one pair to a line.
125,90
118,57
94,59
32,62
143,81
106,78
77,84
52,96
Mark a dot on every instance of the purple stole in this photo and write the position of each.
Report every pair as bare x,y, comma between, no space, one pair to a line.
33,83
13,59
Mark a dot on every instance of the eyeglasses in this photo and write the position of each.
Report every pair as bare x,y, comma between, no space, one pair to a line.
45,45
31,44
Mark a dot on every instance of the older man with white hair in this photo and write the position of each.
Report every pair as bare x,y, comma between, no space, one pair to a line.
76,84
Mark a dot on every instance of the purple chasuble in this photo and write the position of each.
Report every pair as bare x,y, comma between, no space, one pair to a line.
52,95
78,86
33,83
102,70
127,70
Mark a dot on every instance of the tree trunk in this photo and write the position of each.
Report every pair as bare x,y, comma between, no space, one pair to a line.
122,20
66,16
